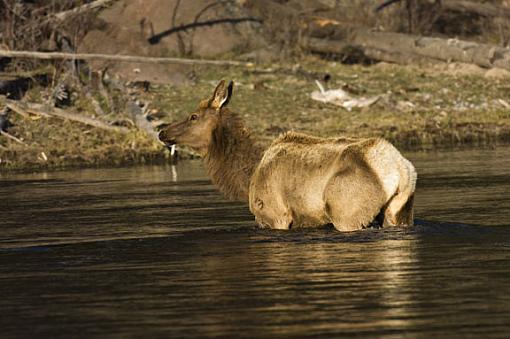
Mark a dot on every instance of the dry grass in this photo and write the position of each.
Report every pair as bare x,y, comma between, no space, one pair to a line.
420,109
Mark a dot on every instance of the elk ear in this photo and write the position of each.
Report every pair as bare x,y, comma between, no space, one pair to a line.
221,95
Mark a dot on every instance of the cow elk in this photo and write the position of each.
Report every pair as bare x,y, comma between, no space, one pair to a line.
299,180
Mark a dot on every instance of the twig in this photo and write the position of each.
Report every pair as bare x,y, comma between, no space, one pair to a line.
12,137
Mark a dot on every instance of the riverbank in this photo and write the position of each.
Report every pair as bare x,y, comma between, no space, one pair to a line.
418,108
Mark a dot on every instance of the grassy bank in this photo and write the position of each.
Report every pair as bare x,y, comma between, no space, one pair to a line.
419,108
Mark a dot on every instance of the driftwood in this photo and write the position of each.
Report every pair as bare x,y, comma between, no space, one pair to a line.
59,113
404,48
120,58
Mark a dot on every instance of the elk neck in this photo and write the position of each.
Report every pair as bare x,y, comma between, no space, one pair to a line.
232,157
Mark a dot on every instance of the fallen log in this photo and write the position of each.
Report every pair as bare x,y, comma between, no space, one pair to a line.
483,9
398,47
335,47
436,48
45,111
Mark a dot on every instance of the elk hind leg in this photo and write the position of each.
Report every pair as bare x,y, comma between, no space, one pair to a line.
399,211
353,199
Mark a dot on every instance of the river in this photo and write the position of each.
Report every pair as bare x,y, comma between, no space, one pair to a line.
156,251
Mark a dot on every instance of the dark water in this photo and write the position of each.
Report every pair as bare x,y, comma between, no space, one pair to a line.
157,252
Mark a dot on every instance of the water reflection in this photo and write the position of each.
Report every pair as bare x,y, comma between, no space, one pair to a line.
152,252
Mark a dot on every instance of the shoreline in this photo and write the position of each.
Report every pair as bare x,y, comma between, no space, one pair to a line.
163,161
419,109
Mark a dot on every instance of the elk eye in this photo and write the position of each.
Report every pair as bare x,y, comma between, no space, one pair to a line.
193,117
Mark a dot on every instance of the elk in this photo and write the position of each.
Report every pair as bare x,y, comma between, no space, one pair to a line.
299,180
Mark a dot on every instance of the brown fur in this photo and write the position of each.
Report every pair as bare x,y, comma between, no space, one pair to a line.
229,152
300,180
231,157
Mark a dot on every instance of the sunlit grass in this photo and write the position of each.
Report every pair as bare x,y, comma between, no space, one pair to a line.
420,107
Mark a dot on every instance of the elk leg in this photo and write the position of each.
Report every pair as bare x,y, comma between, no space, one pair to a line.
400,210
353,197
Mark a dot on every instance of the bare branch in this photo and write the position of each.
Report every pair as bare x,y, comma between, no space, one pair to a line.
121,58
59,113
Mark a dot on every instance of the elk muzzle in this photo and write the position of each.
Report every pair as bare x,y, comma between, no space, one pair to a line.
169,135
168,141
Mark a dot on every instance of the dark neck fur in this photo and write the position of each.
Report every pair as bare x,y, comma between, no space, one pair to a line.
232,157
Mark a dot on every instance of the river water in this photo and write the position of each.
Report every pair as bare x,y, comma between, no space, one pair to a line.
157,252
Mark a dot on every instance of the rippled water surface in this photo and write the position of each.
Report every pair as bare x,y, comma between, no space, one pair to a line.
157,252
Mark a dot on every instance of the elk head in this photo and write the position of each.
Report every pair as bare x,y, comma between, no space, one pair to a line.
197,129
